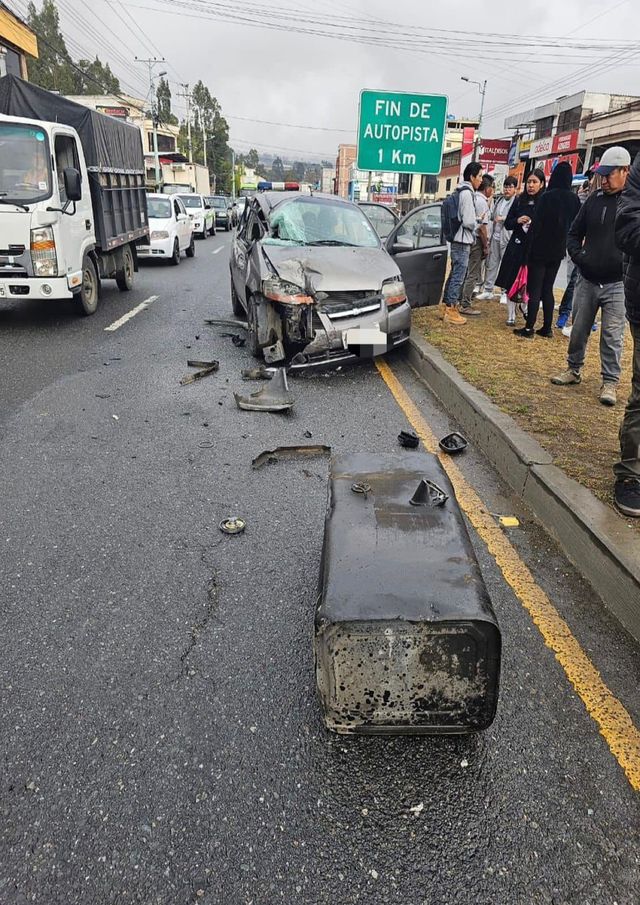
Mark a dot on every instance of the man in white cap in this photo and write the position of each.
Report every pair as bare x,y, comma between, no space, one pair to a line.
592,248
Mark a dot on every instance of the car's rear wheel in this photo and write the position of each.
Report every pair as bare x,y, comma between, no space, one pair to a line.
191,248
175,257
236,304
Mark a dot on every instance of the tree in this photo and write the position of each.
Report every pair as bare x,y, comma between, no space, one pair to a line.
252,159
95,77
208,121
299,169
163,96
52,69
277,168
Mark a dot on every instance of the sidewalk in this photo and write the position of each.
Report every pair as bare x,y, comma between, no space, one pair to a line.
555,446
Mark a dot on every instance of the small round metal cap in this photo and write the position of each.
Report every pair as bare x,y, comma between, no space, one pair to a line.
233,525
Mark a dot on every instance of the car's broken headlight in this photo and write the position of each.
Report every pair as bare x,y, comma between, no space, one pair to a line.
393,292
281,291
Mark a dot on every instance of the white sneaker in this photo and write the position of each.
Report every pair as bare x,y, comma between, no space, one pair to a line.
566,331
483,296
503,298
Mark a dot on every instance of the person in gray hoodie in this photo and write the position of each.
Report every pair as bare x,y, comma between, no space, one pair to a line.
462,242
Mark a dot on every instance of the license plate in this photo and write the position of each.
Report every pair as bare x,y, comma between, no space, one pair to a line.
364,336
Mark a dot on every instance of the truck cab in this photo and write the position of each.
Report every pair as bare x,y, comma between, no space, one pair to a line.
67,220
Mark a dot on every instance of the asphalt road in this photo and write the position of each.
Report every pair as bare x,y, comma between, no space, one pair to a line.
160,735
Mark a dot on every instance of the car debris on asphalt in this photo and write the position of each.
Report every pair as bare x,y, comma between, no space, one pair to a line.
408,439
271,456
453,443
276,397
233,525
206,368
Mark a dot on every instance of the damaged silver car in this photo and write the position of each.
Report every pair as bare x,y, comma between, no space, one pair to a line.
316,284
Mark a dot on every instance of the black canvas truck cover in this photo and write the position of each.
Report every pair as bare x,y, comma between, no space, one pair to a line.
109,146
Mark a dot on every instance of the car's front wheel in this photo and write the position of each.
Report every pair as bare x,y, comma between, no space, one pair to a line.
252,332
236,304
175,257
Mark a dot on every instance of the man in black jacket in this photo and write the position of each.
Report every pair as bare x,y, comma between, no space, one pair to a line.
627,470
591,246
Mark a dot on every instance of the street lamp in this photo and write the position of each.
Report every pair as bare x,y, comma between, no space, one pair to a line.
482,87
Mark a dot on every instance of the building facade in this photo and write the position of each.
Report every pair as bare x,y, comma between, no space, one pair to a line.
344,161
17,44
557,131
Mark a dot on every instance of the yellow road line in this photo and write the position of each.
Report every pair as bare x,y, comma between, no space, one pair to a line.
616,726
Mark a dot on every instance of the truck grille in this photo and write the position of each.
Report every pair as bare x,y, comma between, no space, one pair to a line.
12,270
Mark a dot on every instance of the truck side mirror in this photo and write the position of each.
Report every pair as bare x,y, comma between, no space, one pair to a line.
72,184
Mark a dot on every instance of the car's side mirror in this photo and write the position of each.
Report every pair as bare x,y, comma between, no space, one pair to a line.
72,184
401,244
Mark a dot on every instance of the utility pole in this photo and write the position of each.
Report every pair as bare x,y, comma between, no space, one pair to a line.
154,61
233,175
187,96
482,88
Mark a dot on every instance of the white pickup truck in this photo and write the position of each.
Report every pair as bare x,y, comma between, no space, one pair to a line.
72,201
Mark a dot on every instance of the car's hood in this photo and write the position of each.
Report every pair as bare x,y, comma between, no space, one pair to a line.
160,223
332,268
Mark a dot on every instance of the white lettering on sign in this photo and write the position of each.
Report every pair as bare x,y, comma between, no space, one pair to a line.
421,110
396,132
389,108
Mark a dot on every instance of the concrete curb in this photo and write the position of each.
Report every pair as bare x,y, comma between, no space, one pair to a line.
594,538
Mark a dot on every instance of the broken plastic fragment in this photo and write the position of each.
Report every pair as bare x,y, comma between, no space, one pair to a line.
453,443
428,494
275,397
271,456
409,439
508,521
207,367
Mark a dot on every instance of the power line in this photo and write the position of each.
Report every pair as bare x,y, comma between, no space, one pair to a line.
267,122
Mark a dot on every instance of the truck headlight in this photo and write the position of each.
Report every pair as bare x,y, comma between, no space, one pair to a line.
159,234
43,252
393,292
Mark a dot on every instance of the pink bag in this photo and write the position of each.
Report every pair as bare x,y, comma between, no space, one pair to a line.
518,291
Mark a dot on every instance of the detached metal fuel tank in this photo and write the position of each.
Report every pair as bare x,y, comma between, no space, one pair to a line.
406,640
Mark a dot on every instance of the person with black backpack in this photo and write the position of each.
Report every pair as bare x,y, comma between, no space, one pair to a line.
459,226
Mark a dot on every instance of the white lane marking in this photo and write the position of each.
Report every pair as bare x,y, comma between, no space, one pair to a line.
217,250
127,317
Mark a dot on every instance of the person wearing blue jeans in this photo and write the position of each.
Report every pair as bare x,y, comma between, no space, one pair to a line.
462,242
566,303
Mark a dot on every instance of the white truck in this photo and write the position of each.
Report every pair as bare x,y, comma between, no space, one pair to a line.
73,206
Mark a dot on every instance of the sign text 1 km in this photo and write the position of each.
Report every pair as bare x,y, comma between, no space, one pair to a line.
401,133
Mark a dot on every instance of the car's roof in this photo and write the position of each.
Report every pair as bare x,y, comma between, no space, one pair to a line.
158,195
268,200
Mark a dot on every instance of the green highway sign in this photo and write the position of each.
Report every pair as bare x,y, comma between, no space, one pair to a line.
401,133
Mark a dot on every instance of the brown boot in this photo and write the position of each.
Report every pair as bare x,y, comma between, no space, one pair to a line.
453,316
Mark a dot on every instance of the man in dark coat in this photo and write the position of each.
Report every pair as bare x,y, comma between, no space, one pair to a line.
591,245
627,470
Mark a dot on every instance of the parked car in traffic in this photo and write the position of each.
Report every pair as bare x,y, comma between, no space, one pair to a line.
381,216
201,214
220,206
309,271
170,230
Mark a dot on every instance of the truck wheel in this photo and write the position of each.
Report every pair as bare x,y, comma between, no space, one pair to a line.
124,277
236,304
175,257
90,288
191,248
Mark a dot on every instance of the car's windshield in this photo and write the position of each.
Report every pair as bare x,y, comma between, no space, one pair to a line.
220,203
191,200
309,222
25,171
159,208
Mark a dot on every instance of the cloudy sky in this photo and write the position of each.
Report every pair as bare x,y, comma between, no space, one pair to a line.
279,67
